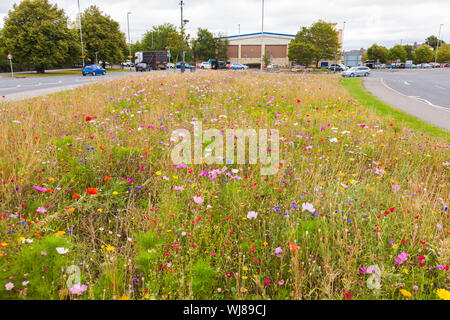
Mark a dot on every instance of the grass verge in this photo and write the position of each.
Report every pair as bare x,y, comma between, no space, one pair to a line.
61,73
357,91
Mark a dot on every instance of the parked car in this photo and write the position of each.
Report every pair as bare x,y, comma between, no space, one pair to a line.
425,65
238,66
447,65
228,65
274,66
356,72
171,65
93,70
127,64
186,65
205,65
141,67
337,67
435,65
369,63
380,66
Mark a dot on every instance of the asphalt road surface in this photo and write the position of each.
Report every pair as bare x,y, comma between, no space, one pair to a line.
14,87
431,86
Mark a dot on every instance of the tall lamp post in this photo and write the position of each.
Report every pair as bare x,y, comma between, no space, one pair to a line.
129,39
342,40
182,40
81,33
262,36
437,46
239,37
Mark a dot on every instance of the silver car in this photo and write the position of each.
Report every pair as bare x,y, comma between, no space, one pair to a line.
356,72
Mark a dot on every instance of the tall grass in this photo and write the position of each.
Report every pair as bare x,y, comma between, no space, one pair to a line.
378,189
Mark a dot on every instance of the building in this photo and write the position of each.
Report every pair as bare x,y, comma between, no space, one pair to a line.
246,48
353,57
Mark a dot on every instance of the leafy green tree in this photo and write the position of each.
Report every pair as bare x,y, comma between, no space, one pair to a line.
178,42
423,54
397,52
409,51
102,35
207,46
444,53
377,53
432,41
37,34
158,37
322,36
302,53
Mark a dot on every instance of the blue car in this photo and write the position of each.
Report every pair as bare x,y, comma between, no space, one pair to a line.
93,70
186,66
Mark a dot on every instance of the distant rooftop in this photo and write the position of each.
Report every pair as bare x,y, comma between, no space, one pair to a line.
259,33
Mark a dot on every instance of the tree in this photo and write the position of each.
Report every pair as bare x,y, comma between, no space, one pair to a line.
207,46
157,38
302,53
102,37
423,54
322,37
397,52
37,34
178,42
409,51
444,53
377,53
432,41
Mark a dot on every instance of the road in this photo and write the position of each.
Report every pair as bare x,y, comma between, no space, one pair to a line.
16,88
431,86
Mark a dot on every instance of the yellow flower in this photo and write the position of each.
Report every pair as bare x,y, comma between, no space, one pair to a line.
265,244
125,298
244,277
158,173
51,179
110,248
60,233
443,294
406,293
406,271
20,239
100,210
115,193
175,177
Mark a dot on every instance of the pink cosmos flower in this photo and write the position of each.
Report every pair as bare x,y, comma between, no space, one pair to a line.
198,199
402,257
40,188
9,286
78,289
252,215
308,206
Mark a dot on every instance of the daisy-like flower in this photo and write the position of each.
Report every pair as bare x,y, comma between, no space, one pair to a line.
9,286
252,215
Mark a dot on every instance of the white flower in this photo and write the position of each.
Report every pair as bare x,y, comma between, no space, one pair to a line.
252,215
308,206
62,250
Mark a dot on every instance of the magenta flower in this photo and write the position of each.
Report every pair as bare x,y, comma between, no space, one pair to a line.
198,199
78,289
402,257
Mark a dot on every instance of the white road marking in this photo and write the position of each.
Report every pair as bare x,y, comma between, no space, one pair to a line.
442,88
415,97
406,83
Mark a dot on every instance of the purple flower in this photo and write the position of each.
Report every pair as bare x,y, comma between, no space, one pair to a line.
402,257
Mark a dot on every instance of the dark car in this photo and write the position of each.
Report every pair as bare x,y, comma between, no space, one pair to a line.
337,67
141,67
93,70
186,66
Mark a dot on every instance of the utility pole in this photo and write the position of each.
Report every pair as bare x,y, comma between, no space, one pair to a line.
437,46
182,40
343,52
239,33
262,36
129,39
81,34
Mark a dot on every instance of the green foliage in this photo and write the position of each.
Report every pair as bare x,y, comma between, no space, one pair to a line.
157,38
397,52
37,35
423,54
377,53
302,53
41,265
444,53
102,34
203,279
177,42
409,52
432,41
266,60
323,37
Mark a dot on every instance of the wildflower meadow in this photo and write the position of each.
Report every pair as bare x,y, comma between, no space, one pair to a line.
93,206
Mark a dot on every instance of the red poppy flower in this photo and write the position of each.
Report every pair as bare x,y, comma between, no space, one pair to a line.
107,178
76,196
92,191
88,119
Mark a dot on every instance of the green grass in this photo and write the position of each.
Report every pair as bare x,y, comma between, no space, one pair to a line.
357,91
61,73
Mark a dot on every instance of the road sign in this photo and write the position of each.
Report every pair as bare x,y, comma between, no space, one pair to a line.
130,57
82,57
9,56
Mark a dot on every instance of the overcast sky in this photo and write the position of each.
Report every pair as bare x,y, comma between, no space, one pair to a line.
386,22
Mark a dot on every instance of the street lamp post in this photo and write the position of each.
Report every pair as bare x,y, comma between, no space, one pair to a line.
239,32
437,46
342,40
129,39
262,36
182,40
81,33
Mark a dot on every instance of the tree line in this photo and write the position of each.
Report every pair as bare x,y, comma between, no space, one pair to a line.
424,53
40,36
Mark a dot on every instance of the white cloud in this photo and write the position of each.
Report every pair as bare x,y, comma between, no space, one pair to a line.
386,22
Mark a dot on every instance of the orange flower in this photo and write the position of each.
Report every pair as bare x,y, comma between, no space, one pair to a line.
76,196
107,178
292,247
92,191
3,245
